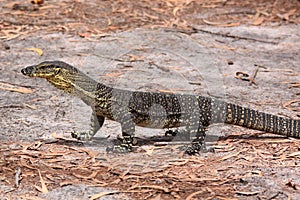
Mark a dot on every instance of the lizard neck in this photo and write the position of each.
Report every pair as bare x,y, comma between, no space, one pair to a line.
81,86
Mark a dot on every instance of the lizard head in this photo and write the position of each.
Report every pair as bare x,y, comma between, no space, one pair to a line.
49,69
58,73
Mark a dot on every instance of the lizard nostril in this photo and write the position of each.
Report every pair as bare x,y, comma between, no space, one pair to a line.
23,71
27,70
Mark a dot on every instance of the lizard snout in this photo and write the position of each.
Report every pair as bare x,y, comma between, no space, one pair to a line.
27,70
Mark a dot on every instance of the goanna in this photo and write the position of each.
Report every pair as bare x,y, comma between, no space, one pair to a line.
155,110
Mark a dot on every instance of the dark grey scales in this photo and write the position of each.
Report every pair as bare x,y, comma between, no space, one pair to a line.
155,110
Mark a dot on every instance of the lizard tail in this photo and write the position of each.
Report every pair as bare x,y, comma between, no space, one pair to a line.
254,119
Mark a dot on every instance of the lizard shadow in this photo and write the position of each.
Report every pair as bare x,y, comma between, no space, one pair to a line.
252,137
157,140
103,141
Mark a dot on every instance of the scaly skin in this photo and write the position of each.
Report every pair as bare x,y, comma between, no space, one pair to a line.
155,110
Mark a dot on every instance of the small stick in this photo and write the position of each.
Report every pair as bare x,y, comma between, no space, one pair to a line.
18,177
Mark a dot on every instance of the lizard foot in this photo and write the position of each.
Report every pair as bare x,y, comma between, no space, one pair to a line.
196,147
179,135
125,147
171,133
81,135
122,148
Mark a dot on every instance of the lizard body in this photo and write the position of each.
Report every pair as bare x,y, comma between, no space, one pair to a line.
155,110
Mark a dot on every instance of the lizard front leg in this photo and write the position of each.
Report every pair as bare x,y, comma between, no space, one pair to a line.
96,123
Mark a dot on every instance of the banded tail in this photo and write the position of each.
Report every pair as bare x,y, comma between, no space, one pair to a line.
254,119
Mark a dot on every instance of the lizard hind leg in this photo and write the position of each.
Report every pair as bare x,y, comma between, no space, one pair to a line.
128,139
198,142
196,131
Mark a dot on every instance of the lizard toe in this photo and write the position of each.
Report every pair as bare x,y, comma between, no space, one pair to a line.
122,148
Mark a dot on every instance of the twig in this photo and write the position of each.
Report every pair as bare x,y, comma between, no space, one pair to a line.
252,79
275,195
233,36
18,177
289,105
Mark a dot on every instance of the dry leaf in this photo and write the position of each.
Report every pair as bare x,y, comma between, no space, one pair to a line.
258,21
290,105
230,24
65,183
134,58
230,156
57,136
101,194
175,11
38,50
194,194
149,151
210,22
29,106
15,88
248,193
157,187
20,90
220,24
113,74
54,135
84,35
44,187
25,196
38,2
287,15
157,197
166,91
294,154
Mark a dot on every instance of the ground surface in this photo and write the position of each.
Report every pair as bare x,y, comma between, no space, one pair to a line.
170,46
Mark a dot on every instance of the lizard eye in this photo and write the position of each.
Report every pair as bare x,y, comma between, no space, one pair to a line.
47,70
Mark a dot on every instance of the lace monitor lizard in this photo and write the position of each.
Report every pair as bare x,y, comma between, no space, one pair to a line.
155,110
